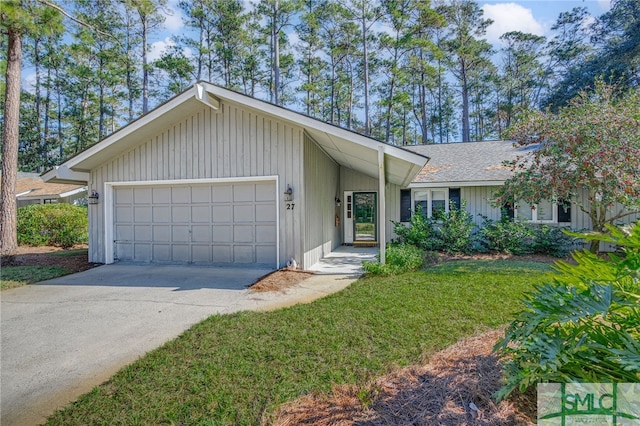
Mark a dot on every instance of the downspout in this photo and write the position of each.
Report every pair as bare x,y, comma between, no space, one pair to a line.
381,205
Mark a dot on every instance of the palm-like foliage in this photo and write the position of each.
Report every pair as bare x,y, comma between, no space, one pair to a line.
583,325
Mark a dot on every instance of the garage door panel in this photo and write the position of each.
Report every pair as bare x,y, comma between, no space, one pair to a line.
161,195
265,192
124,196
221,214
222,223
221,194
266,255
201,233
243,193
244,213
180,234
265,212
142,214
243,254
180,214
221,253
180,253
200,214
265,233
142,233
161,252
162,233
242,233
124,214
180,195
142,195
124,232
201,253
221,234
201,194
142,252
161,214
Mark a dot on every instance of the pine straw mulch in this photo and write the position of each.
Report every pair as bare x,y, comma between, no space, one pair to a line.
279,280
74,261
454,388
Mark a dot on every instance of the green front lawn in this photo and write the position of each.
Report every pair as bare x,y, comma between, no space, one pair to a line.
16,276
236,369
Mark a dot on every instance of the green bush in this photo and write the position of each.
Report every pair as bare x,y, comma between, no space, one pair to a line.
61,225
455,231
583,325
420,233
506,236
399,259
552,241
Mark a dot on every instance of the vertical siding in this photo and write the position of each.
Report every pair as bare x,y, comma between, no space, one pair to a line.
479,202
233,142
321,175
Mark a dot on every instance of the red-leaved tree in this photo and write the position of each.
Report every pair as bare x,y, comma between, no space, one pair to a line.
591,145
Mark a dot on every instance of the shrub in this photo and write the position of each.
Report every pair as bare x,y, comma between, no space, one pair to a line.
456,230
506,236
584,325
399,259
420,233
552,241
61,225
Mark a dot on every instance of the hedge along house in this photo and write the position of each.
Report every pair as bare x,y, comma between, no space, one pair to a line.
473,171
216,177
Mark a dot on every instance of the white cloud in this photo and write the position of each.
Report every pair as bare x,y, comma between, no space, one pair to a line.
510,17
158,48
173,17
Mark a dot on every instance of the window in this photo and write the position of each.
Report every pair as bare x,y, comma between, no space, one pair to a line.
543,212
434,202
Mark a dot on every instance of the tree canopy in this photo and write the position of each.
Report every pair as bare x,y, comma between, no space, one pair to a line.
592,145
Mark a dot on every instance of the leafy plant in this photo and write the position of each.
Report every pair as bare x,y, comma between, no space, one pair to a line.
399,259
551,240
506,236
421,232
583,325
456,230
61,225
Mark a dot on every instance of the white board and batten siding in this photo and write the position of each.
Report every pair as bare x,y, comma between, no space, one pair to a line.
207,149
322,176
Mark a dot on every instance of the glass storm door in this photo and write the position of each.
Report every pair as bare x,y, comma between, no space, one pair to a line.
365,216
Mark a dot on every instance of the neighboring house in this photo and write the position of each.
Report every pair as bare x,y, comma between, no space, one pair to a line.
31,189
473,171
216,177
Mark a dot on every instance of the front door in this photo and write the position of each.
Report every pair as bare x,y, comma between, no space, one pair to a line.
365,216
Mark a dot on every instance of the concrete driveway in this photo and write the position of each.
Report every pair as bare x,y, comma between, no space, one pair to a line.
62,337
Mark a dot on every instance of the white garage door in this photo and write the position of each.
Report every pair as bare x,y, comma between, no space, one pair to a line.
226,223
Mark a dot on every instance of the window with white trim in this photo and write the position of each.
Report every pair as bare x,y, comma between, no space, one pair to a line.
433,201
543,212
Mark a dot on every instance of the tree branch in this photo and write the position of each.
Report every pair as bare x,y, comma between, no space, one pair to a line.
74,19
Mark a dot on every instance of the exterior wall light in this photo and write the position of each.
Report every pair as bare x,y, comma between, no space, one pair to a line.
94,197
338,203
288,194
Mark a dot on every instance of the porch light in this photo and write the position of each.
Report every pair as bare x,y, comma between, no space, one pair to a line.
338,203
288,194
93,198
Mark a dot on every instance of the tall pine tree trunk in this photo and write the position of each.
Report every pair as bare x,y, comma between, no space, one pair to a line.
8,208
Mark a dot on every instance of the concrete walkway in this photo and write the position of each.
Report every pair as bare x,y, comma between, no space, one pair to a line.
345,260
62,337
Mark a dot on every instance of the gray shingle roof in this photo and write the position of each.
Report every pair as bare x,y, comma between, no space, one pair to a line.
466,161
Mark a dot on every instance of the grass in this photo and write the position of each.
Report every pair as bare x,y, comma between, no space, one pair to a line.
236,369
71,253
16,276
